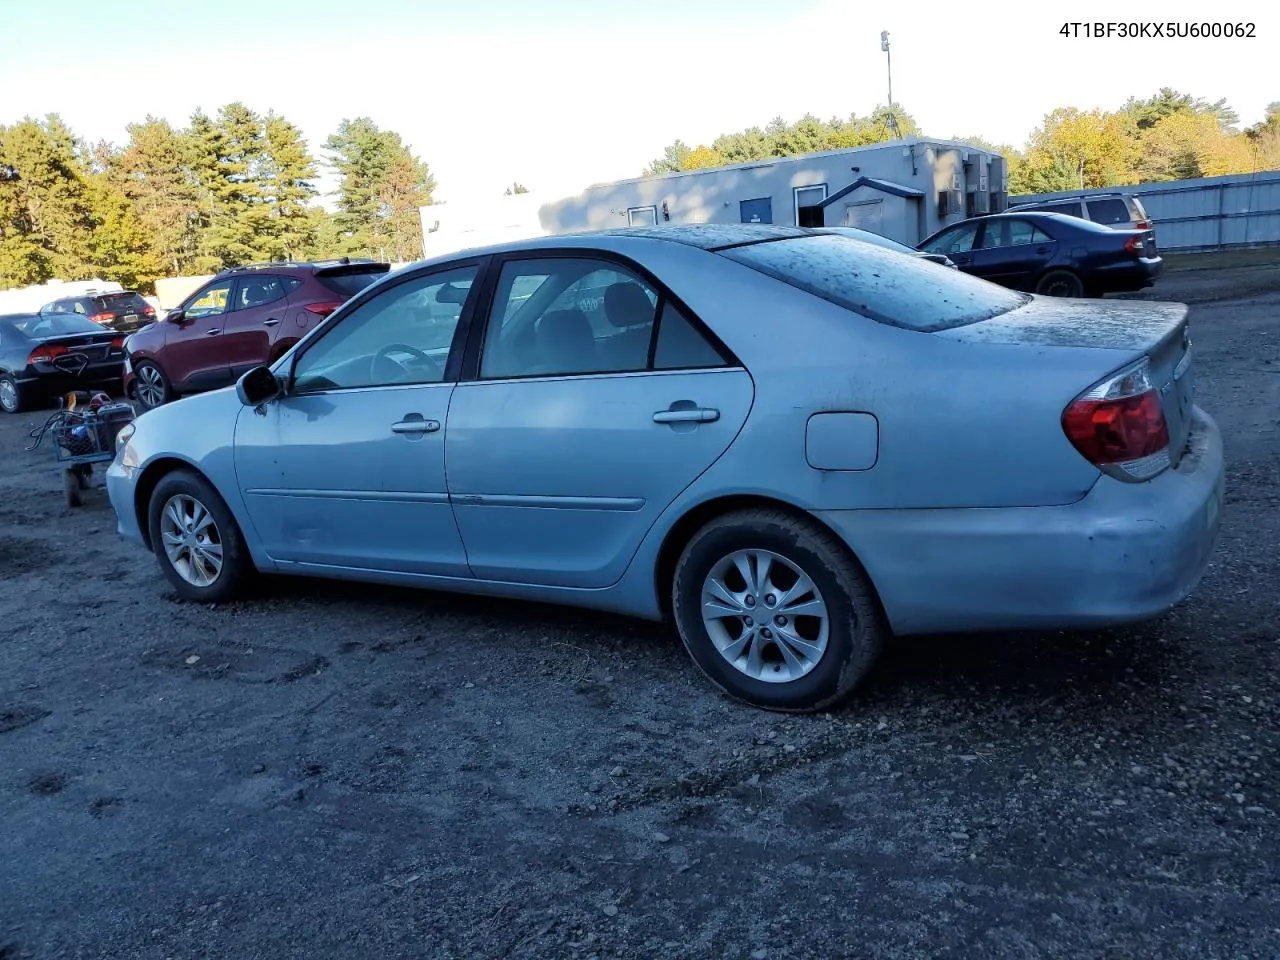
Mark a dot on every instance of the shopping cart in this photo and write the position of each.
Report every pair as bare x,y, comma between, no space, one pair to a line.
83,433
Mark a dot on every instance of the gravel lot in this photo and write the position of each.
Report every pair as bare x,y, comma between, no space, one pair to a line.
348,771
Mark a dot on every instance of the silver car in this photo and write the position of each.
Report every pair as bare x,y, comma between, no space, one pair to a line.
790,445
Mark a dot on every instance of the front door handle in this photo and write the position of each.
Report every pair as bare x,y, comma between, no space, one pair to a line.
694,415
414,423
270,322
1042,249
210,333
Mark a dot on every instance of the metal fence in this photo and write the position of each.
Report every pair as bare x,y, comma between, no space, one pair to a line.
1211,213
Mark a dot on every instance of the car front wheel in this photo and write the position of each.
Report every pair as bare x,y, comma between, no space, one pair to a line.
776,612
196,539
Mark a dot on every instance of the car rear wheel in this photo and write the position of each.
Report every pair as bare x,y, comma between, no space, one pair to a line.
1060,283
196,539
10,396
776,612
151,385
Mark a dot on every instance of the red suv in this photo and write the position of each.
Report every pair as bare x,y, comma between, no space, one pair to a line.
242,318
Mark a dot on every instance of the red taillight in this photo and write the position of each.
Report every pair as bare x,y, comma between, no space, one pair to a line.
148,311
1135,244
1119,426
101,317
118,343
1143,225
45,353
324,307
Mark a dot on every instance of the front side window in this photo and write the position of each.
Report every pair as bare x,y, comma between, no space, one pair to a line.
210,302
401,336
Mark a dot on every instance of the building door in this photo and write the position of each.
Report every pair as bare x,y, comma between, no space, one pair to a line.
865,215
756,211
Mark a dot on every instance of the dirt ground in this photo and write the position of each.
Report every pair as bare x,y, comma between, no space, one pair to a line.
348,771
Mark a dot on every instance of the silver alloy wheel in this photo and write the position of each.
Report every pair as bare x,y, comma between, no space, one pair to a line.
765,616
191,540
150,385
8,395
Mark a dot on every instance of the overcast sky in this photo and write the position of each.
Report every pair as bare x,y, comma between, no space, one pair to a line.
561,94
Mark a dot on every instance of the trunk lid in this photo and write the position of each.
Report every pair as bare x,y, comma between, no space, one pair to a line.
1154,329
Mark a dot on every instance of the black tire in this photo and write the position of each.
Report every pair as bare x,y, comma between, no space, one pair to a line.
11,398
161,383
1060,283
236,567
856,630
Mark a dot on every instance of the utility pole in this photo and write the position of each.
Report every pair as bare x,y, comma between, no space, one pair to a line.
888,60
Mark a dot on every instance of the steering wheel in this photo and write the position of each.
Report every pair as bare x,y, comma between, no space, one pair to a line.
384,354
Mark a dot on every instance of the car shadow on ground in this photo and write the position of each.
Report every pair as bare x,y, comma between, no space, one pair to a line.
1007,670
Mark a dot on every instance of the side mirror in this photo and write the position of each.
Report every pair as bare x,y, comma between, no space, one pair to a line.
257,386
175,316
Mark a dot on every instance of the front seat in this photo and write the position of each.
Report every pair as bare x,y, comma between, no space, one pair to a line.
628,307
566,343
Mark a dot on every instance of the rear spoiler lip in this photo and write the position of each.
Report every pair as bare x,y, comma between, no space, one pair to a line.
348,268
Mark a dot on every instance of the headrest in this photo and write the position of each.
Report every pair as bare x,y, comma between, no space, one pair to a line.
626,305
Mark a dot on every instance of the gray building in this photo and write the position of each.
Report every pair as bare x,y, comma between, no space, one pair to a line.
904,189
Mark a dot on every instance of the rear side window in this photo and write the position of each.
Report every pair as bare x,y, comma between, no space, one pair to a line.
879,284
349,283
1108,210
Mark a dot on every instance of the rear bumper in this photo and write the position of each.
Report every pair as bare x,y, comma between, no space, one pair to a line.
1125,552
97,375
1129,275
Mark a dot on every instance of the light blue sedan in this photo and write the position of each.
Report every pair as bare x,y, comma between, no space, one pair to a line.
791,444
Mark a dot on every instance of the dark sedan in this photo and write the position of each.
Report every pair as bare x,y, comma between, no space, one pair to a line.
1050,253
44,356
123,310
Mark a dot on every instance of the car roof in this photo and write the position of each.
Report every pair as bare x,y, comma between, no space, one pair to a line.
702,236
1072,198
308,267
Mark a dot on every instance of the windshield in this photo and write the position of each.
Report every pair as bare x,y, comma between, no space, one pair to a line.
56,325
349,283
877,283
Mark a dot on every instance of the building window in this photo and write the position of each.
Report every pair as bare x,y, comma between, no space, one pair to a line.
642,216
943,208
807,202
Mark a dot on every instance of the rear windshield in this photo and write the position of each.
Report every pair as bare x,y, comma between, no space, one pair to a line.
883,285
56,325
1140,212
349,283
121,301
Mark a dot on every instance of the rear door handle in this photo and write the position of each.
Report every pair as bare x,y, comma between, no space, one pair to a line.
210,333
414,423
270,322
696,415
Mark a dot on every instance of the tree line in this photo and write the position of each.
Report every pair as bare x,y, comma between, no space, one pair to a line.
1168,136
233,188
